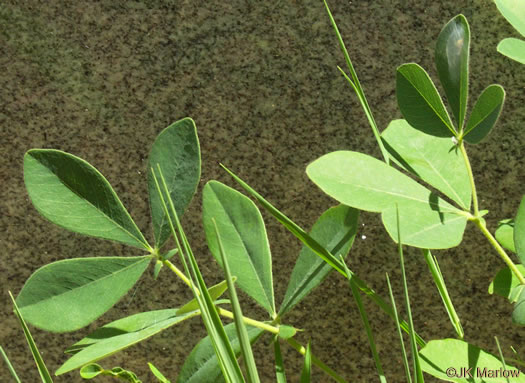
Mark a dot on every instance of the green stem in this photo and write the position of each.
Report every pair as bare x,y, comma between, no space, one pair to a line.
302,350
261,325
471,178
250,321
500,250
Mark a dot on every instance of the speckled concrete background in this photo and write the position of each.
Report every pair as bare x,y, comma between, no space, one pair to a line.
101,79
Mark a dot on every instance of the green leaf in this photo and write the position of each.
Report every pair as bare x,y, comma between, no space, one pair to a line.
215,293
335,230
452,57
59,297
485,113
518,315
286,332
420,103
157,373
519,231
513,48
91,371
176,149
514,12
201,366
120,334
505,234
73,194
130,324
42,369
454,355
506,284
307,366
320,251
244,238
431,158
366,183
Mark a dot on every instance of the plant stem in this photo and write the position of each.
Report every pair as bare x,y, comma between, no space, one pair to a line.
302,350
500,250
471,178
261,325
250,321
177,272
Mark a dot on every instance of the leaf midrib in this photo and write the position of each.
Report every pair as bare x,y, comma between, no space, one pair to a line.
102,213
271,304
55,296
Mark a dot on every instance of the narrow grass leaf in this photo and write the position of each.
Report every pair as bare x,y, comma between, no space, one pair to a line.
335,230
42,369
513,48
519,231
484,114
505,234
418,374
280,375
403,350
456,356
158,374
356,85
9,365
452,59
363,182
242,333
73,283
202,366
71,193
433,159
176,149
506,284
364,317
307,366
439,281
503,364
119,335
244,239
320,251
223,349
420,103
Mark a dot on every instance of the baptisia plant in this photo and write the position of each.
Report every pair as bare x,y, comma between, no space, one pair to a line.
429,145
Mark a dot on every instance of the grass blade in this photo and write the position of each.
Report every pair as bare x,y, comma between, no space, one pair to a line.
443,292
246,349
42,369
223,349
356,85
9,365
418,373
366,324
501,356
405,359
280,375
320,251
307,366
